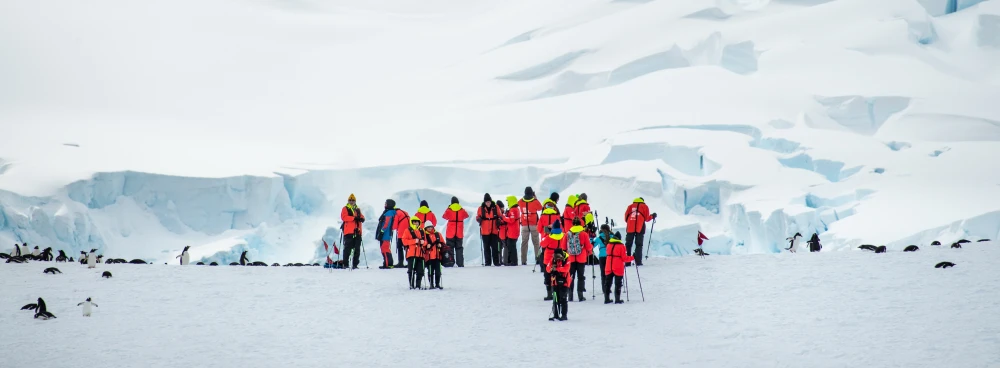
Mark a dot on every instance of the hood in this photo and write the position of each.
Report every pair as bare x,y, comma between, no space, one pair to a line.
571,200
455,207
556,236
576,229
638,200
423,209
511,201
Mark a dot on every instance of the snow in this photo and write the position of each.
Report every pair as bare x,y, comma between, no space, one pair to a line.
765,310
237,126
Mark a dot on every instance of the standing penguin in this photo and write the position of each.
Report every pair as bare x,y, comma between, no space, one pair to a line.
35,252
243,259
814,245
92,259
17,250
793,242
185,258
24,249
87,307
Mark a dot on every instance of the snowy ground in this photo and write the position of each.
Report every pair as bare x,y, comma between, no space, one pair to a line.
838,309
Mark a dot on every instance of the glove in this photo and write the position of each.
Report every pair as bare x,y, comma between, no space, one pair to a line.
653,216
361,220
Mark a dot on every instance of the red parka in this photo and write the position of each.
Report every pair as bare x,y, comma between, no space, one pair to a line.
352,217
617,256
489,219
413,241
636,216
456,216
402,221
561,269
549,215
529,211
425,214
511,218
550,244
434,243
582,209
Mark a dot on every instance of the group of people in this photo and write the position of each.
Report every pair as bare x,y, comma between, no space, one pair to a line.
563,240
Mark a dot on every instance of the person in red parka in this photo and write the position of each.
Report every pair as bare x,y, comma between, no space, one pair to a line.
553,242
582,209
488,217
510,229
414,242
561,279
425,214
455,231
636,217
501,233
351,228
569,212
615,269
550,213
402,223
577,235
529,207
433,254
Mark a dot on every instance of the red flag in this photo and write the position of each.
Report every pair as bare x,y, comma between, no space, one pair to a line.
327,248
701,238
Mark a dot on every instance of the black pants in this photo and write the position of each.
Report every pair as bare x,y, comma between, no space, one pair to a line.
352,248
434,272
399,251
510,249
386,260
637,237
576,271
491,253
560,304
415,271
456,246
618,287
603,260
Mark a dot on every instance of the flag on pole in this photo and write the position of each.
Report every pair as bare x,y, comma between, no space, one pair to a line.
327,248
701,238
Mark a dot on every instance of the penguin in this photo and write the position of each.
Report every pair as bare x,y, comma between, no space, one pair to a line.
880,249
106,274
99,258
36,252
963,241
185,257
24,250
39,309
47,254
62,256
700,252
234,263
52,270
92,259
911,248
244,259
867,247
87,307
259,263
956,245
71,259
200,263
944,265
982,240
17,260
83,257
17,250
935,243
214,264
137,261
4,256
793,242
276,265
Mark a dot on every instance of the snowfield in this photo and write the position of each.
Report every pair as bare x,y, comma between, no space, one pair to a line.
829,309
228,125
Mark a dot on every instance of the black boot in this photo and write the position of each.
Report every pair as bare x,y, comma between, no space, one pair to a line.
548,293
409,276
437,280
618,296
563,305
580,295
419,279
570,292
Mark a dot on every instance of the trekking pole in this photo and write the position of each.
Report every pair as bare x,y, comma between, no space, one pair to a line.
650,240
640,282
363,252
625,276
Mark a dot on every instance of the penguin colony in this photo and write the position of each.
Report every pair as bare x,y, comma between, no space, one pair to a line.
21,254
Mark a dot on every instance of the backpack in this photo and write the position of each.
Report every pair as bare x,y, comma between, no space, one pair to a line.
573,244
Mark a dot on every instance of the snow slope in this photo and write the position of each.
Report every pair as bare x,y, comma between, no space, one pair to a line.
244,125
832,309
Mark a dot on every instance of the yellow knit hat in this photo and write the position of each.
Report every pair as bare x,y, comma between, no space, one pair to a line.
351,198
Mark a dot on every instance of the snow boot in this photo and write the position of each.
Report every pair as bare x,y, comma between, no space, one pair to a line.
570,295
419,279
548,293
618,296
580,296
563,305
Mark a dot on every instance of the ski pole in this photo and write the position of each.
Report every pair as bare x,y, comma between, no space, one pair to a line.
650,240
640,282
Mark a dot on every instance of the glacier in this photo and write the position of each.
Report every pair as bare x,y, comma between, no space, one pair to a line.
865,123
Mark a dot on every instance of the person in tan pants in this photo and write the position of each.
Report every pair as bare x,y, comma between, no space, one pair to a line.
530,206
